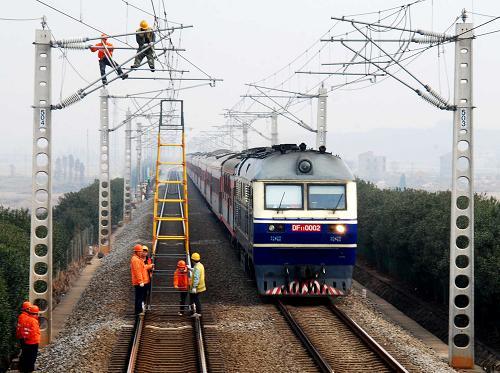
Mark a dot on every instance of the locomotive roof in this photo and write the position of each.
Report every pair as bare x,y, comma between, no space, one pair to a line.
280,163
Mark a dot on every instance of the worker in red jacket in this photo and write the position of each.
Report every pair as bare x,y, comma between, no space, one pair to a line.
31,337
105,55
181,283
21,320
148,261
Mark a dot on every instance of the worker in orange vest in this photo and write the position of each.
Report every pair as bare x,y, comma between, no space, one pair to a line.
31,340
181,283
21,320
140,277
105,58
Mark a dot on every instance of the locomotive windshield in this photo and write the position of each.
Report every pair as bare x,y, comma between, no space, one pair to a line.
284,196
326,197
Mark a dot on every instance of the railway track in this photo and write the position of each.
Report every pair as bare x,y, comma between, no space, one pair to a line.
317,326
161,340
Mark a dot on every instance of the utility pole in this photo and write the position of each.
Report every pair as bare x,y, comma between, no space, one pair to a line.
40,285
461,305
321,118
138,192
127,196
274,128
104,184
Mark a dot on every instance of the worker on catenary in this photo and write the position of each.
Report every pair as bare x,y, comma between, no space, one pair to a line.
140,277
148,263
181,283
198,283
21,319
145,38
105,58
31,340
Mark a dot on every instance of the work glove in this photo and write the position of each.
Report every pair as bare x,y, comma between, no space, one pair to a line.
193,291
141,284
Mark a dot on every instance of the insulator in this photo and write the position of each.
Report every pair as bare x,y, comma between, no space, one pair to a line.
74,46
70,100
427,39
437,95
434,101
434,34
70,41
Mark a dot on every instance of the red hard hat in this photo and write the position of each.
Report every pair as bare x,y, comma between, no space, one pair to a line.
181,264
26,305
138,248
34,309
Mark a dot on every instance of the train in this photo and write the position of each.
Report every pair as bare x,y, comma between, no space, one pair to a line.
291,213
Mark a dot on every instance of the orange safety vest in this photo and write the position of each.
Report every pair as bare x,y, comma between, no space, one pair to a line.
31,330
99,47
139,270
21,320
181,279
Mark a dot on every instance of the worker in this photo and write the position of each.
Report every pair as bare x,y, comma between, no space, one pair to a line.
31,340
181,283
198,283
140,277
21,320
145,38
148,263
105,58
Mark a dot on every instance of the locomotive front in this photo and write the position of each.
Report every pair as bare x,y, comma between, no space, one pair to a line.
304,224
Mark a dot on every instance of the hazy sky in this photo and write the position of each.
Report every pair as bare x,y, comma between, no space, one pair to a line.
239,42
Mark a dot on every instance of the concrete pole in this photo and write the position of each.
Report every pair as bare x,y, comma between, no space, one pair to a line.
274,128
104,184
138,165
461,305
127,196
40,280
321,118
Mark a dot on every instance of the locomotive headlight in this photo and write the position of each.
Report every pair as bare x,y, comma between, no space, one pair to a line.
338,228
271,228
305,166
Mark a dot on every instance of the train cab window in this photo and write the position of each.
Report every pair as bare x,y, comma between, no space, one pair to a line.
284,197
326,197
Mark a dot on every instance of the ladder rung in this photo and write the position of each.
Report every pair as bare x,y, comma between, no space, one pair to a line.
169,219
171,237
170,200
170,181
172,144
172,163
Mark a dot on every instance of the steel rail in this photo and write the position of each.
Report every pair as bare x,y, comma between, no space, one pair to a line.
134,348
392,363
322,364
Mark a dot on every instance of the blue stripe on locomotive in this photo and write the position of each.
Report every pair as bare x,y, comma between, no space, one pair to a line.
304,255
263,236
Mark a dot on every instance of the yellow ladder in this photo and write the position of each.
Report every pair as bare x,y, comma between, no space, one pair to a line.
171,136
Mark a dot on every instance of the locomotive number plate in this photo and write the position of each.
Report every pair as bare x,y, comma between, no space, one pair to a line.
306,228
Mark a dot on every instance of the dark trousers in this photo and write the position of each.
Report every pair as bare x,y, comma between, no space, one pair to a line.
148,54
108,62
139,298
28,357
182,301
195,298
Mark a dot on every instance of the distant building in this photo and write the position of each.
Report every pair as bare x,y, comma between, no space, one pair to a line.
371,167
445,166
402,181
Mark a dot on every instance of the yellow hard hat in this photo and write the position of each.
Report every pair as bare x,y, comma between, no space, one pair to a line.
144,24
145,248
196,257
